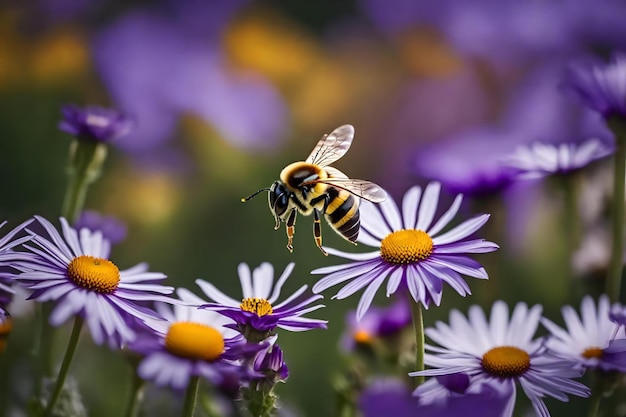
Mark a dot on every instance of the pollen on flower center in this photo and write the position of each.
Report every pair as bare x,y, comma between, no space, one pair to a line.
593,352
194,341
95,274
260,306
406,246
506,361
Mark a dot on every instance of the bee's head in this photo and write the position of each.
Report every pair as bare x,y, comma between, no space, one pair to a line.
278,199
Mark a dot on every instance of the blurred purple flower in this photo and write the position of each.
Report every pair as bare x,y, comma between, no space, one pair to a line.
538,160
159,69
600,86
111,228
377,322
390,397
470,162
95,123
505,31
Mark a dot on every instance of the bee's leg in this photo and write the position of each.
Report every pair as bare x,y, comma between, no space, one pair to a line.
317,231
291,228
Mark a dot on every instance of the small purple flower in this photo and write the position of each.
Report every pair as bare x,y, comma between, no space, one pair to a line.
256,315
270,363
539,160
95,123
378,322
73,270
411,250
192,342
112,229
587,337
600,86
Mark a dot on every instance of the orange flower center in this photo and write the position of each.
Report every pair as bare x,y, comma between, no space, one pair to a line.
506,361
593,352
406,246
194,341
95,274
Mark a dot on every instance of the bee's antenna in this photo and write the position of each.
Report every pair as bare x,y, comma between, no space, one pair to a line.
243,200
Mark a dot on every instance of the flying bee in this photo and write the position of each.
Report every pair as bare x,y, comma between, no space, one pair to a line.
313,186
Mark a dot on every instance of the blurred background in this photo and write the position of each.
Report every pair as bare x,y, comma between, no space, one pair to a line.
225,93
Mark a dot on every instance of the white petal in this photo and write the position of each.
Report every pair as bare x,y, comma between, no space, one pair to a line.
428,206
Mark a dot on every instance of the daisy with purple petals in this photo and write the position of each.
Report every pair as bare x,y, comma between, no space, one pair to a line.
602,87
73,270
412,250
95,123
500,353
540,159
586,338
112,229
257,315
189,343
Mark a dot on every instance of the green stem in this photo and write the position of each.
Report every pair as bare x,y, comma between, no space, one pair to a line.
190,397
65,366
571,226
418,325
136,396
86,159
613,281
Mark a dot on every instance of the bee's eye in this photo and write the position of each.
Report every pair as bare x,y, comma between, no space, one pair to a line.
278,199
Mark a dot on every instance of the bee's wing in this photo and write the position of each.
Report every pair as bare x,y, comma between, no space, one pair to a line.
332,146
361,188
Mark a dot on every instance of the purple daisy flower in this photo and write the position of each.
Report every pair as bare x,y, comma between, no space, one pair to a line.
192,342
111,228
95,123
256,315
587,337
601,87
378,322
412,251
539,160
74,271
500,352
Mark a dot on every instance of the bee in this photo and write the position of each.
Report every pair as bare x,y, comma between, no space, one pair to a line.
313,187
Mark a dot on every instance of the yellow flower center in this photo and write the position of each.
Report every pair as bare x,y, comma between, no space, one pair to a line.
506,361
194,341
260,306
406,246
95,274
362,337
593,352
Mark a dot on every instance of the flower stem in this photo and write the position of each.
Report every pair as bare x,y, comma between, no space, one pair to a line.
86,160
571,226
65,366
136,396
614,278
418,325
190,397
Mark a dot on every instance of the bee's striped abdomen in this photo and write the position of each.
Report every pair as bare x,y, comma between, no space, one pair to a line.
342,213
